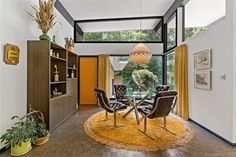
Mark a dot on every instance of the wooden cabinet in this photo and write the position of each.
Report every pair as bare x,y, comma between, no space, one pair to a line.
57,99
57,111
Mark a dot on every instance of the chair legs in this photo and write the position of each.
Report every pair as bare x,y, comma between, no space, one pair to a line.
106,118
164,126
115,121
144,131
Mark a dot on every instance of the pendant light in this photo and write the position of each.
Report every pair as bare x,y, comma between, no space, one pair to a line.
140,53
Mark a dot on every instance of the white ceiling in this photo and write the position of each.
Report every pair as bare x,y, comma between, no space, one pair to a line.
100,9
119,25
103,9
203,12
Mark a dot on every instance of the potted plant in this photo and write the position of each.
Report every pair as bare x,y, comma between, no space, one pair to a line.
44,17
42,133
20,136
69,43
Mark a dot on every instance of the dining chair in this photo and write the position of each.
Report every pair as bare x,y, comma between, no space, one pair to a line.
120,93
164,102
109,107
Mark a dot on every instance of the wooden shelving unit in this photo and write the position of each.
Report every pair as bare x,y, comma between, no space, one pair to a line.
55,98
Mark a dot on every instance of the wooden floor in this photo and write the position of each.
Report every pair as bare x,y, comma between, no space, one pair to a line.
69,140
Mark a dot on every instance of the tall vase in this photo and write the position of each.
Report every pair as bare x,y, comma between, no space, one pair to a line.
44,36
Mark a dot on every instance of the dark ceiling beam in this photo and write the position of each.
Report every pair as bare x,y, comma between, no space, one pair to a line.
159,25
67,16
172,9
118,19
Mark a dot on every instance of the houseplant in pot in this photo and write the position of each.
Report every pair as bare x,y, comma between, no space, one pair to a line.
69,43
20,136
42,133
44,16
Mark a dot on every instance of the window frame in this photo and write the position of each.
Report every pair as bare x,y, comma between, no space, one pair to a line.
76,22
174,15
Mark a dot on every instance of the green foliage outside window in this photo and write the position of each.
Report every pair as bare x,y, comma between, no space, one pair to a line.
170,70
153,72
144,35
193,31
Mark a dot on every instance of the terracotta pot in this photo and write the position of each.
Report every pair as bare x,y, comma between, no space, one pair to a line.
41,140
69,48
22,149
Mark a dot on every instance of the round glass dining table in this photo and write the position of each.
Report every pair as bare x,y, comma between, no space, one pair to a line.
135,100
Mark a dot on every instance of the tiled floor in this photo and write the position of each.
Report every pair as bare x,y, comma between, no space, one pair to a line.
69,140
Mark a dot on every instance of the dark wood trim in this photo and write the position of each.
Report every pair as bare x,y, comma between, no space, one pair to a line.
175,15
213,133
172,9
62,10
115,19
164,71
118,19
81,56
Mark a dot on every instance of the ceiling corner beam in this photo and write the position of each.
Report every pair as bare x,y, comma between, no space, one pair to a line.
172,9
159,25
62,10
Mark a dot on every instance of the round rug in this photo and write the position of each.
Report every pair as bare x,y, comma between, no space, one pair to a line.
130,138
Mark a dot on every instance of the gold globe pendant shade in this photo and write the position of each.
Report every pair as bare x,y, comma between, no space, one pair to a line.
140,54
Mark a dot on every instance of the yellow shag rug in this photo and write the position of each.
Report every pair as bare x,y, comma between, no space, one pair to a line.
130,138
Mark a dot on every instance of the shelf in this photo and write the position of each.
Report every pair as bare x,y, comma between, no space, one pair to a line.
72,78
57,97
72,68
58,58
58,82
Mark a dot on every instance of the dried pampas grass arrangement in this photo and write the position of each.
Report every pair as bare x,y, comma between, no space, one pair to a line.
44,17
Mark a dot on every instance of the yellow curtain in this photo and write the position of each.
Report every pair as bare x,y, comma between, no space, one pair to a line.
181,81
104,73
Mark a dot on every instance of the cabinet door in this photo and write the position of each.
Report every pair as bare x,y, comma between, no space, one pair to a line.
72,96
57,111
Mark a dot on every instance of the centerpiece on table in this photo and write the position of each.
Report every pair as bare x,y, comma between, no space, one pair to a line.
44,17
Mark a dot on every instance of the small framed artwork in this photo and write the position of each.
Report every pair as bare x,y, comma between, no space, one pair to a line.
202,59
11,54
202,79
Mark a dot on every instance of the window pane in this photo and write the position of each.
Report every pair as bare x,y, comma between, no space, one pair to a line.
138,78
171,33
143,35
201,13
170,70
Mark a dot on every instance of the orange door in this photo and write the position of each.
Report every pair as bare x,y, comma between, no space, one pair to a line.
88,80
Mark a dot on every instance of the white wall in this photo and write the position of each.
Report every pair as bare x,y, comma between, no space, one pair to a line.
214,109
234,71
16,27
114,48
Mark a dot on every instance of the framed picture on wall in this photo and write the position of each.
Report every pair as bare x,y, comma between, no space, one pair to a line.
202,79
202,59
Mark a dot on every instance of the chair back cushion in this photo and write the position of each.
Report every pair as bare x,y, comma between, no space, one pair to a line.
163,104
102,98
120,91
160,88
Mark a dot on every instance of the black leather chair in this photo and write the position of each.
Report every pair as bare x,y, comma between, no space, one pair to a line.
120,93
164,102
108,107
159,88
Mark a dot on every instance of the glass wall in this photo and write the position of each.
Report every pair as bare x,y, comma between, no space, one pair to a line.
138,78
136,35
170,69
200,14
171,32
